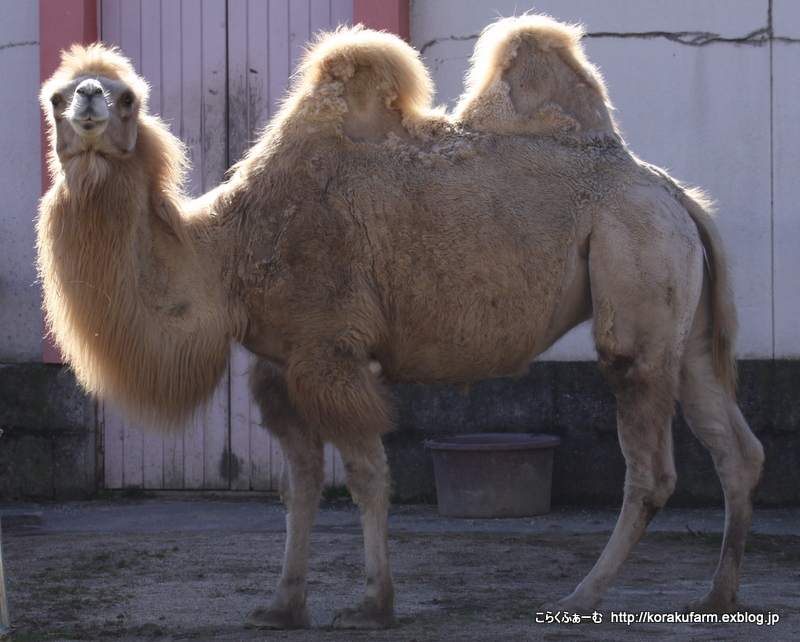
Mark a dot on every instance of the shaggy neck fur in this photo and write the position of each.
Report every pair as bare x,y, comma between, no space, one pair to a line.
132,289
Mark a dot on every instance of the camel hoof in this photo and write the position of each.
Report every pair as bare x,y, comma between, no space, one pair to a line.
566,605
712,604
264,617
365,616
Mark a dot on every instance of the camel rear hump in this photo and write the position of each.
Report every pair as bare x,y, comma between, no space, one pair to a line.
368,83
530,75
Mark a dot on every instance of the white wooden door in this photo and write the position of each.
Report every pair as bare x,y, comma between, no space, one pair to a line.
217,69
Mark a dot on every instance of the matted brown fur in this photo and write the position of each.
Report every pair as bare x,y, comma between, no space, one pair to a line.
366,239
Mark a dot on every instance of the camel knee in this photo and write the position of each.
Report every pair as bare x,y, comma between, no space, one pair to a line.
367,483
366,472
651,494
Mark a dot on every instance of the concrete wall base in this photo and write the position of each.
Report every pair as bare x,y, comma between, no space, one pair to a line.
48,449
571,400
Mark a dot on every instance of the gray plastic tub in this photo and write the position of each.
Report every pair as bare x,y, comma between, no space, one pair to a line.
493,474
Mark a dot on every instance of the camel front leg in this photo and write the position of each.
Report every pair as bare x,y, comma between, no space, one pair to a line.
301,488
367,475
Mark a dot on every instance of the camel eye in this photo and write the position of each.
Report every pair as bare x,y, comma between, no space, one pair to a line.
56,101
127,100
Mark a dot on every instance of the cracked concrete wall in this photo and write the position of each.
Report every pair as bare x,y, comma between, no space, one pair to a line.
20,182
708,90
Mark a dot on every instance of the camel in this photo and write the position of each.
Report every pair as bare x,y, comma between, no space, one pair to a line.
368,238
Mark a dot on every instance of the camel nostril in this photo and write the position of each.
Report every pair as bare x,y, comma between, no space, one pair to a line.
89,88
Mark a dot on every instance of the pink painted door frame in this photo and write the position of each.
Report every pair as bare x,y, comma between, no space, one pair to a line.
62,23
383,15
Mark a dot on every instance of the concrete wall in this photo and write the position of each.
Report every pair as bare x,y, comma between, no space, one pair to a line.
20,182
571,400
702,90
48,446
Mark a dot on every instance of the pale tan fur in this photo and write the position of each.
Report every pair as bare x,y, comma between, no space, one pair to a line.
133,304
530,75
365,240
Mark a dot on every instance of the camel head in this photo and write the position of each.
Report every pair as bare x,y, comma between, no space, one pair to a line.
93,103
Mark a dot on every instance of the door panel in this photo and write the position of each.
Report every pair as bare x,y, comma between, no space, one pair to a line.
217,71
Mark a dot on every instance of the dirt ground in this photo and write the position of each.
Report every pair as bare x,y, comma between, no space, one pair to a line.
450,586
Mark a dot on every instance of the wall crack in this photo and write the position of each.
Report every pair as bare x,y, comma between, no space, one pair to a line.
27,43
757,38
436,41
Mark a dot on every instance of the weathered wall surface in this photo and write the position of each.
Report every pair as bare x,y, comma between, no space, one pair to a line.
48,449
707,90
20,182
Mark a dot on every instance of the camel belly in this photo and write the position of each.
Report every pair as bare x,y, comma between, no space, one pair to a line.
475,336
472,273
453,326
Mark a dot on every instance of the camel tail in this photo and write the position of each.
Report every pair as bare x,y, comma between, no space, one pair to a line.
724,319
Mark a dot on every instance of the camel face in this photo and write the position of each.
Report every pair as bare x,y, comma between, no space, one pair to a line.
94,115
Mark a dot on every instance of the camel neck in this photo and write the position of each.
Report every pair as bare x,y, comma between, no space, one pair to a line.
133,300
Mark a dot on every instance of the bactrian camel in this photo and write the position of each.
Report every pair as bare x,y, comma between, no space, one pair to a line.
368,239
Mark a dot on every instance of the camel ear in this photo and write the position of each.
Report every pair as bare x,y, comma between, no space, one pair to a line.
372,113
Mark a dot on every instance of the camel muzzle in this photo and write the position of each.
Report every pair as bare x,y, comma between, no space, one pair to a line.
88,113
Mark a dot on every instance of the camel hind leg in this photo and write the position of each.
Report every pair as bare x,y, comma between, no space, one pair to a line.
644,416
643,312
714,417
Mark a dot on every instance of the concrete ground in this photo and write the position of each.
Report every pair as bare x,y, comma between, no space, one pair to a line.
169,515
169,569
